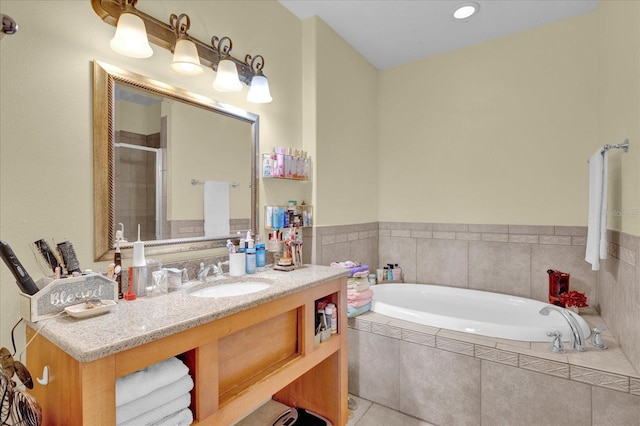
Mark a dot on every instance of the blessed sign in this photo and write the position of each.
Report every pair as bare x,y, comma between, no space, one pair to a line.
55,295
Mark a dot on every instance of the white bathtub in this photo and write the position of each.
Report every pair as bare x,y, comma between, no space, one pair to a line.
471,311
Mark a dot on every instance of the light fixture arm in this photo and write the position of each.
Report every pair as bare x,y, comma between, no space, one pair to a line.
166,35
180,25
256,64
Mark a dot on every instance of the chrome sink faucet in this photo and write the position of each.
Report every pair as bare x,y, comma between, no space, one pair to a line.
203,272
577,337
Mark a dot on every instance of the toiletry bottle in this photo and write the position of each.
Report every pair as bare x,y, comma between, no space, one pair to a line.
117,269
138,252
397,273
332,317
250,261
266,165
249,240
260,256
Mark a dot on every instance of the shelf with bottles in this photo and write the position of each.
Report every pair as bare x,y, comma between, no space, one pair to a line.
289,216
286,164
326,319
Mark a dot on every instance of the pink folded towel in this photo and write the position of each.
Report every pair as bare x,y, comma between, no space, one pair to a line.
357,295
359,302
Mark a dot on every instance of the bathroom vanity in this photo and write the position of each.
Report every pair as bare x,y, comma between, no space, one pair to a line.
241,351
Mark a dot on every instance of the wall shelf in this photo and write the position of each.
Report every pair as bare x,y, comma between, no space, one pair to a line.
283,166
288,217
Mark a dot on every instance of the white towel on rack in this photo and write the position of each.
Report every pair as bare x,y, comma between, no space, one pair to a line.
597,230
216,209
145,381
155,400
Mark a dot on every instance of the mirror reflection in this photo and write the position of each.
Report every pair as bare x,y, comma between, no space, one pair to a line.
180,171
180,165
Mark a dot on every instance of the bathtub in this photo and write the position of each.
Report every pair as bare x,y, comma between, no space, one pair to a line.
471,311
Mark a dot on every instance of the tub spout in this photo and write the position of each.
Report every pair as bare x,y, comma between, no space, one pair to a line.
577,337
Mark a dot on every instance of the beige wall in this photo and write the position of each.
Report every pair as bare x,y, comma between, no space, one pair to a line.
619,102
500,132
136,118
46,110
343,119
206,146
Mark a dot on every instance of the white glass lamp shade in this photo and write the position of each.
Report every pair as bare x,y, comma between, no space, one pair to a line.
185,58
259,90
227,79
131,37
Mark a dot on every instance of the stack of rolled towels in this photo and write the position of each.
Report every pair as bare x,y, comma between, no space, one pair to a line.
156,395
359,295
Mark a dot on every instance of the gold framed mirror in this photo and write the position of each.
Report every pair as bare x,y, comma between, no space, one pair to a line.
227,153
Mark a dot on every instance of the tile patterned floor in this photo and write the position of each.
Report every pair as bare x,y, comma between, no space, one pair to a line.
370,414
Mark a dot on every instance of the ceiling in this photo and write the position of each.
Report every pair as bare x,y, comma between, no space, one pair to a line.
392,32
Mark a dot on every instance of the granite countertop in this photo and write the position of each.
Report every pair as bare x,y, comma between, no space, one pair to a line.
134,323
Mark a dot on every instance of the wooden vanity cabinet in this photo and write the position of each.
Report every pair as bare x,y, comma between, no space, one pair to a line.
237,363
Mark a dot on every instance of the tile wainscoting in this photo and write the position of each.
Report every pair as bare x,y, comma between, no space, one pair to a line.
510,259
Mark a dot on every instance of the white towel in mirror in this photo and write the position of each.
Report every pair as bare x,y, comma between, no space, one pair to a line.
216,209
597,230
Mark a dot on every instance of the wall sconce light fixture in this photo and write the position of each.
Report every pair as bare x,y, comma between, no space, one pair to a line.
131,35
185,54
190,55
259,89
227,79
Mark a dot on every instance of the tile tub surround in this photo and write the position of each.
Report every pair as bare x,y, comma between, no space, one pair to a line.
357,242
513,259
446,377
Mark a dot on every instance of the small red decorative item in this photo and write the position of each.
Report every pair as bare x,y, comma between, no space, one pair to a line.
574,298
558,285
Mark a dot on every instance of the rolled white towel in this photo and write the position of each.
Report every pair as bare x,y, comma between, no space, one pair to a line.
155,415
156,399
145,381
181,418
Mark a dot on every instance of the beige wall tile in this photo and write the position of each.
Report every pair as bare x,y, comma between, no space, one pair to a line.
374,370
443,262
457,346
513,396
531,229
334,253
494,229
615,408
574,231
496,355
540,365
365,251
599,378
500,267
439,387
401,251
451,227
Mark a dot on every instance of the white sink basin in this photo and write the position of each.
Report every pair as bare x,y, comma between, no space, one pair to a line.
231,289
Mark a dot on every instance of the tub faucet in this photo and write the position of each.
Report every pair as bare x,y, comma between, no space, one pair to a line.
577,337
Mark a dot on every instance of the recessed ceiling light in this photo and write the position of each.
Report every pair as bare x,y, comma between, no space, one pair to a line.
465,10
